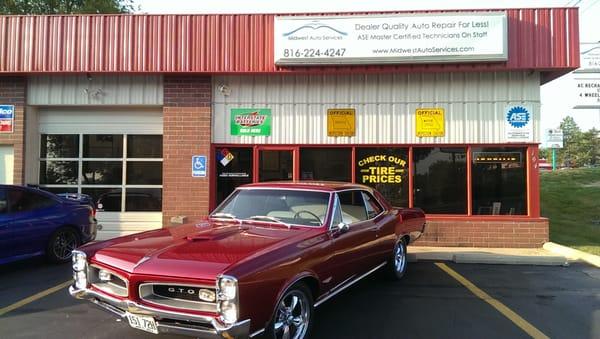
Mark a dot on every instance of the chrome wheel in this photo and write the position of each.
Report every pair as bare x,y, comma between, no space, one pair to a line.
292,316
65,241
400,257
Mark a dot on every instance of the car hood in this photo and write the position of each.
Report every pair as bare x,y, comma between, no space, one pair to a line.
198,251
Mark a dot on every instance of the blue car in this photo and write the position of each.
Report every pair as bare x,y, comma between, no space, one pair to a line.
35,222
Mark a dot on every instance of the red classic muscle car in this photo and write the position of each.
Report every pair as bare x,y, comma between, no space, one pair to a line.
259,264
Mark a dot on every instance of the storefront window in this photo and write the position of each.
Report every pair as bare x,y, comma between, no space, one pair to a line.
499,181
59,146
332,164
102,146
234,168
103,170
386,170
440,180
275,165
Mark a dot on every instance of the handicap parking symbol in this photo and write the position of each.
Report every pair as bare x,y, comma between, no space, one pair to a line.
198,166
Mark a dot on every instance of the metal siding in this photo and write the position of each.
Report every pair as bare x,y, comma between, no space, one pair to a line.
537,39
98,120
385,103
141,90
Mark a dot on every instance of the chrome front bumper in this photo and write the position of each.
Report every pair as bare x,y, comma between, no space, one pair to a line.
167,321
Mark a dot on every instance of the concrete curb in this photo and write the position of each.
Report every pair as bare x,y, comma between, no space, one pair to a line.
487,256
572,253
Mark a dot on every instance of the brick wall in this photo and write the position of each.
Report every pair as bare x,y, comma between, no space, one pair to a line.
481,233
186,132
12,92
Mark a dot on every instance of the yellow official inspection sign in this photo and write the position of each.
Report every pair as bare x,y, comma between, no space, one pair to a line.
430,122
341,122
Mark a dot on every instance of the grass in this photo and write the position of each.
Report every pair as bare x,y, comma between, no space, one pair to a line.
571,200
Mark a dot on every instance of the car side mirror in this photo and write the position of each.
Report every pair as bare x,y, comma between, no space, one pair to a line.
343,227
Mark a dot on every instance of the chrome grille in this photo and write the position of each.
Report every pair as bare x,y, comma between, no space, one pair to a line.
116,285
176,295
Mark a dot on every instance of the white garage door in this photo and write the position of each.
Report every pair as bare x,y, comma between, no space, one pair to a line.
6,164
113,155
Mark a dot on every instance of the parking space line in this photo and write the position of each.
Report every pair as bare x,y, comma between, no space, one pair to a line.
34,297
500,307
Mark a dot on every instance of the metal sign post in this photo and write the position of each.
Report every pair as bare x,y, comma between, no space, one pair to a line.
554,159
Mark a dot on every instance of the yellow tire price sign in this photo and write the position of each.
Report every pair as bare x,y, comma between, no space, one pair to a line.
430,122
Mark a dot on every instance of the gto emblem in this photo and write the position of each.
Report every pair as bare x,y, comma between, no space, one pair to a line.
181,290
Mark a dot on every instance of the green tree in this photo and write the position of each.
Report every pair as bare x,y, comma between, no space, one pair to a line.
23,7
568,155
589,147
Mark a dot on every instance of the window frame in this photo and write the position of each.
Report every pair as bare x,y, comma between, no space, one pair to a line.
531,183
362,191
80,185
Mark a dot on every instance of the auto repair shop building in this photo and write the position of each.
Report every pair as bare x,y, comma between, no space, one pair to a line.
158,116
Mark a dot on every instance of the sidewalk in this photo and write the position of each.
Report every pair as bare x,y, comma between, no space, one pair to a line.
471,255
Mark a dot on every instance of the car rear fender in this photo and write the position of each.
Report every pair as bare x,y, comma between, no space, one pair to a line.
411,224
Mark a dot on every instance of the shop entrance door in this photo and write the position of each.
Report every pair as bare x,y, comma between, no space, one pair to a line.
275,164
234,167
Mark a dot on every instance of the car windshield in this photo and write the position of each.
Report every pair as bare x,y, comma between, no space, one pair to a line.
296,207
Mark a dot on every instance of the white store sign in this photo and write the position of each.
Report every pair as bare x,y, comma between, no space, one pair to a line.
590,57
518,124
587,88
554,138
410,38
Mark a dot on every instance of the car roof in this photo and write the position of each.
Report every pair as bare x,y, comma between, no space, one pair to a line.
323,186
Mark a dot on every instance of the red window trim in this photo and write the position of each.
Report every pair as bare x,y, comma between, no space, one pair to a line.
531,176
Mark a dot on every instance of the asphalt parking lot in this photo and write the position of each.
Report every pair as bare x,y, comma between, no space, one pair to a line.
559,302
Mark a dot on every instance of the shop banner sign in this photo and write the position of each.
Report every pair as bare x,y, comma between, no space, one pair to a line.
518,124
398,38
251,121
341,122
430,122
7,118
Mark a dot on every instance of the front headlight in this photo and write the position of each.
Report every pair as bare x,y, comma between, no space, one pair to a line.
227,296
79,260
80,279
229,313
227,288
79,263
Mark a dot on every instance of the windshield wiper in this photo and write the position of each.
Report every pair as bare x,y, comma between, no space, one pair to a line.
224,216
273,219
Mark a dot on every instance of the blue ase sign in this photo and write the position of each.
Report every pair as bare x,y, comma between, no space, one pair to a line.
518,125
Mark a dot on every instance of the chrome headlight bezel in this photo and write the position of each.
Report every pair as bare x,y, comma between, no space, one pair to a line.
80,266
227,299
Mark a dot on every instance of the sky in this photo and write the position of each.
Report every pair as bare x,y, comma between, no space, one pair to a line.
557,97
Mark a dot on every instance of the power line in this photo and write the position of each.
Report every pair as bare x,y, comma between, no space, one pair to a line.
588,7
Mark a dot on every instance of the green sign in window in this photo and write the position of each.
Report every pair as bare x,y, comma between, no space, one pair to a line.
251,121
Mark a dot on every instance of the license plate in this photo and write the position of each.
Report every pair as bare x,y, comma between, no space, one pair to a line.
142,322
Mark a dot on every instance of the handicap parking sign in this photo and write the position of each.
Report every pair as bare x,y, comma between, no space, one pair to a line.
198,166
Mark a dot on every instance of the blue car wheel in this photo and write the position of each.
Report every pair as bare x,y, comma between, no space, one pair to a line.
61,243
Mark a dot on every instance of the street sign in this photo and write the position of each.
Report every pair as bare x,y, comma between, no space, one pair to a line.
198,166
554,138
